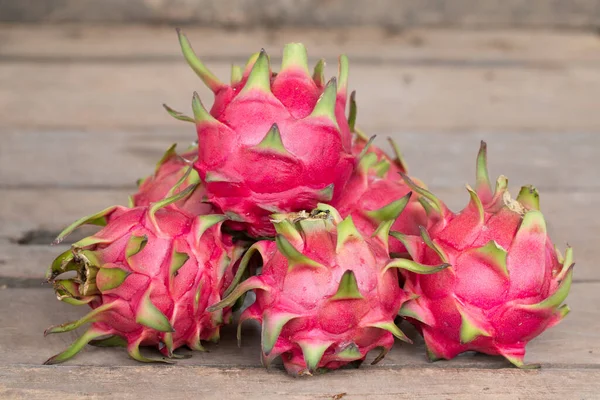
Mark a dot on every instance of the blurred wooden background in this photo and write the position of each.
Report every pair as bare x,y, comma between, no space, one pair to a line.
392,14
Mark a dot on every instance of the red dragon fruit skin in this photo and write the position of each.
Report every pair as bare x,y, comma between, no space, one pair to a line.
386,166
326,295
376,192
148,275
506,282
272,143
372,197
173,174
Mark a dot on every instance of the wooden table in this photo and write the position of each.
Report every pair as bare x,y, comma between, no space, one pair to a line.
81,120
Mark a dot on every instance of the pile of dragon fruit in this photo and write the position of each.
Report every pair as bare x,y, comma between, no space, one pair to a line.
282,195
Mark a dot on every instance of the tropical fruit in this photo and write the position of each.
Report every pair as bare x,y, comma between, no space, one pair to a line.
327,295
173,173
372,197
272,142
148,275
506,283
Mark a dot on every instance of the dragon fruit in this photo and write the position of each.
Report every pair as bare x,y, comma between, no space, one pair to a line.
272,142
370,199
326,295
376,192
506,283
386,166
148,275
173,173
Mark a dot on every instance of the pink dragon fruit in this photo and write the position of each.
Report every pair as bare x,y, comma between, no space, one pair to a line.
148,275
173,173
326,295
506,283
272,143
385,166
370,199
376,192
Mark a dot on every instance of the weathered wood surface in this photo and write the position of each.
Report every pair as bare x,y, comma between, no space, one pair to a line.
80,121
66,383
101,159
133,44
26,219
575,342
389,97
424,81
51,178
236,14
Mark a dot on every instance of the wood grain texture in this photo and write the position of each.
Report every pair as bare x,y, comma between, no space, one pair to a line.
310,13
35,216
68,43
390,98
28,382
105,159
424,80
81,121
575,342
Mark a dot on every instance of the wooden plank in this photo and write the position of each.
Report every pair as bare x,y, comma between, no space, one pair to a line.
24,213
26,263
36,223
48,178
371,45
44,310
153,382
104,159
390,98
566,224
238,14
574,342
567,216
